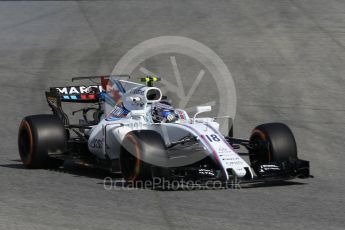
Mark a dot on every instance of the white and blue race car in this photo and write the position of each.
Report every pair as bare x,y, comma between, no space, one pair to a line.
134,130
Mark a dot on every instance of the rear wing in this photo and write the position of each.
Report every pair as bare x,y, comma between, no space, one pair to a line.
100,77
80,94
84,94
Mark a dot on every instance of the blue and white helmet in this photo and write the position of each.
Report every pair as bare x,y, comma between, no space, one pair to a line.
163,112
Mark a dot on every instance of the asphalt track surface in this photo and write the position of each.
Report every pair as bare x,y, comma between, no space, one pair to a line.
288,62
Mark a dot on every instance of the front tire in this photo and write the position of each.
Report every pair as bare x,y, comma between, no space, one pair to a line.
39,135
280,144
136,146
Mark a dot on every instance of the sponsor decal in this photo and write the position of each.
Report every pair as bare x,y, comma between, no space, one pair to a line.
222,149
181,115
138,90
96,143
80,89
271,167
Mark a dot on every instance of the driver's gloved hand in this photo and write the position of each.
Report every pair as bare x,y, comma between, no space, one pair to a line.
170,118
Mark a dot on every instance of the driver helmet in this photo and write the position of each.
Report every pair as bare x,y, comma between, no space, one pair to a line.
164,112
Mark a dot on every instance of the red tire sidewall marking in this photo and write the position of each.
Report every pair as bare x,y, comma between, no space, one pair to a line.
26,125
262,135
137,156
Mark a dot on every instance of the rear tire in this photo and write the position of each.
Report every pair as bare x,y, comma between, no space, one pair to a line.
39,135
281,145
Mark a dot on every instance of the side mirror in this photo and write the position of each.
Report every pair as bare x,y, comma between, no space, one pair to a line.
202,109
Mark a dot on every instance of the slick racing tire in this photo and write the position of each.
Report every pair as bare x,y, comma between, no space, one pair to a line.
39,135
279,144
136,149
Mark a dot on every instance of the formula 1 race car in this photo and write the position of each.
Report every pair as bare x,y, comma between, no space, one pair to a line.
131,128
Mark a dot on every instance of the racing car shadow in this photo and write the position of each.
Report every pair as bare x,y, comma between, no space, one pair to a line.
80,170
14,166
123,185
116,182
113,183
271,184
72,168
